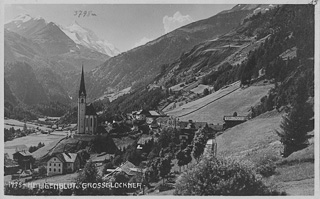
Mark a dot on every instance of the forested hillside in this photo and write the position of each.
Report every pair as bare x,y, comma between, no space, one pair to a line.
277,45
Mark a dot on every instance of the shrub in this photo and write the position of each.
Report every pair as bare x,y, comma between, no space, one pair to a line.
221,177
165,187
42,171
266,165
268,169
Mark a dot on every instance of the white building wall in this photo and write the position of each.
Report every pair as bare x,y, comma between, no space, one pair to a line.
54,166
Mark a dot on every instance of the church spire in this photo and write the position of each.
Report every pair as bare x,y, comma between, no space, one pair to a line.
82,90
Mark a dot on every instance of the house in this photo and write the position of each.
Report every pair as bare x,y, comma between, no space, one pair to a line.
99,159
230,121
128,168
215,128
10,166
63,163
187,130
211,147
44,119
144,139
142,115
24,159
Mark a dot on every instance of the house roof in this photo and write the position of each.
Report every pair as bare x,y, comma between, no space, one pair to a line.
216,127
188,125
67,157
24,153
90,110
154,113
211,141
143,111
126,167
144,138
100,157
235,118
199,125
10,163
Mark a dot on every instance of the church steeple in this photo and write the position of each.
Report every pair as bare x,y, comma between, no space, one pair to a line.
82,90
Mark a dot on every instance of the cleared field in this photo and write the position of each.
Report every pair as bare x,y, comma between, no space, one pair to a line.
8,123
213,107
256,139
194,105
31,140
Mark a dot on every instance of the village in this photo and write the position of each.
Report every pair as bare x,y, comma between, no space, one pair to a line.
142,129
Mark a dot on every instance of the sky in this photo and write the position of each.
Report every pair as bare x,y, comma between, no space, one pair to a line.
124,25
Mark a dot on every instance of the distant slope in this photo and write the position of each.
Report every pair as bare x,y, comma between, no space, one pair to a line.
226,101
247,140
256,140
142,64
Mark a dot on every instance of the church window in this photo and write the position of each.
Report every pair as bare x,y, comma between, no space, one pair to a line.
91,121
81,100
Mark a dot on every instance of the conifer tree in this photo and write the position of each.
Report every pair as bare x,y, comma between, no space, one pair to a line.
296,124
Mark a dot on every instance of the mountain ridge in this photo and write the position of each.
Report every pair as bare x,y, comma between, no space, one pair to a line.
141,65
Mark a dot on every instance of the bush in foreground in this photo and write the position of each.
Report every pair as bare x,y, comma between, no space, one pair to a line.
221,177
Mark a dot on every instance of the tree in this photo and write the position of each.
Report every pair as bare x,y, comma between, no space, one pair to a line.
199,143
108,165
152,170
181,158
42,171
221,177
84,156
165,138
205,92
164,167
88,174
296,124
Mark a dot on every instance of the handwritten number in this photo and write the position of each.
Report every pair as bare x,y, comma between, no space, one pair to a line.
85,13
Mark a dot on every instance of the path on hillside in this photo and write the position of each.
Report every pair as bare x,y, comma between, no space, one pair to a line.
50,150
208,103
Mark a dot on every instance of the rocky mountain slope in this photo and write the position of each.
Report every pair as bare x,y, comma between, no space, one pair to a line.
49,55
141,65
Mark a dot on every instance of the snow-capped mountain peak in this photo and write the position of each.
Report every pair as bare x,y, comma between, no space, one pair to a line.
88,38
25,25
23,17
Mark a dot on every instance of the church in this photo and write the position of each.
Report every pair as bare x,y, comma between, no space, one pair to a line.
87,116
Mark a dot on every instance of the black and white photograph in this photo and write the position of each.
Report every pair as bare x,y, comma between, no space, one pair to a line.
160,98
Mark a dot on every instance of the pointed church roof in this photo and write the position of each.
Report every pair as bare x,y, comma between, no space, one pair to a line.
82,86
